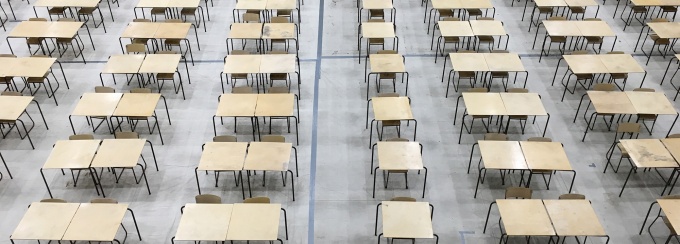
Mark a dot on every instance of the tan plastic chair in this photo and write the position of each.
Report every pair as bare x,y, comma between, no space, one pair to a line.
604,87
104,89
518,192
224,139
251,18
495,137
388,123
257,200
140,90
208,199
104,200
158,12
403,199
11,93
242,90
572,197
646,117
273,138
673,136
81,137
126,135
540,139
278,90
53,200
376,14
135,48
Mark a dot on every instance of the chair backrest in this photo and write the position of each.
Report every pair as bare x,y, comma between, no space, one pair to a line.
397,139
616,52
273,52
240,52
11,93
135,48
126,135
257,200
224,139
388,94
518,90
37,19
465,51
280,19
39,56
54,200
557,18
141,20
495,137
66,20
450,19
572,196
376,20
208,198
273,138
628,128
251,18
174,21
387,52
242,90
104,89
104,200
592,19
540,139
673,136
81,137
167,52
659,20
140,90
518,192
478,89
644,90
500,51
278,89
671,197
403,199
7,55
485,18
604,87
579,52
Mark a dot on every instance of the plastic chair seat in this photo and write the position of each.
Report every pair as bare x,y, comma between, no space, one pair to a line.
86,11
165,76
558,39
391,123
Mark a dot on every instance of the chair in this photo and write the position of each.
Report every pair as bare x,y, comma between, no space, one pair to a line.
126,135
376,14
518,193
11,93
37,41
135,48
57,11
539,171
8,80
667,10
235,77
53,200
495,137
623,129
208,199
186,12
386,76
287,13
657,41
43,81
520,118
104,89
635,11
224,139
405,172
88,12
646,117
576,10
278,90
242,90
65,42
477,13
572,196
632,129
580,78
257,200
673,136
273,138
403,199
81,137
104,201
279,41
251,18
388,123
158,11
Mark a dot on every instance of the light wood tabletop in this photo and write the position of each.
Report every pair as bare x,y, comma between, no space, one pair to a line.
649,153
502,155
183,3
26,66
387,63
245,31
223,156
653,3
61,29
242,64
376,4
152,3
254,222
399,156
204,222
550,3
11,107
611,102
487,28
574,218
545,155
281,4
391,108
585,64
525,217
140,30
673,147
468,62
523,104
484,103
277,63
273,105
671,208
670,30
278,31
273,156
650,102
445,4
504,62
68,154
581,3
251,5
67,3
237,105
406,220
621,63
46,29
96,222
477,4
97,104
594,28
122,153
160,63
377,30
172,30
561,28
123,64
45,221
137,104
455,28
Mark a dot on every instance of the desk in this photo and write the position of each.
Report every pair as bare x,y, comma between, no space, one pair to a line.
223,156
651,4
483,63
96,222
398,156
385,64
155,64
555,5
73,155
453,30
255,222
11,109
380,5
574,218
30,67
665,30
51,30
489,28
581,30
160,30
236,105
270,156
277,106
463,7
45,221
524,217
95,105
248,5
122,154
174,6
590,64
498,155
546,156
283,5
260,66
204,222
376,30
670,210
406,220
389,108
245,32
648,153
281,31
140,106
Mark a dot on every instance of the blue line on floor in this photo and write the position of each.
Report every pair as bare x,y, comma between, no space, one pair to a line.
315,119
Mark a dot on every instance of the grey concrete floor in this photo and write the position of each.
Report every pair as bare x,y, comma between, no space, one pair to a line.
333,153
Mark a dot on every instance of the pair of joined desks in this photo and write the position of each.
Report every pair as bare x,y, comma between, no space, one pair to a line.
173,4
398,156
554,218
626,103
382,64
11,109
376,30
266,6
500,104
484,63
91,154
580,30
521,155
260,65
159,30
557,4
50,30
238,156
664,30
76,4
138,64
405,220
467,30
230,222
258,105
389,109
591,64
95,222
261,32
647,4
649,154
119,105
462,6
374,5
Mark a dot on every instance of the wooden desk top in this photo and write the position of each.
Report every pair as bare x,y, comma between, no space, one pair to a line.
387,63
502,155
651,3
277,63
122,153
406,220
281,4
377,30
67,3
671,207
525,217
523,104
96,222
670,30
445,4
204,222
611,102
594,28
183,3
651,102
561,28
545,155
468,62
46,29
581,3
11,107
140,30
237,105
137,104
160,63
377,4
673,147
585,64
455,28
223,156
45,221
274,105
477,4
621,63
172,31
649,153
487,28
391,108
254,222
484,103
242,64
574,218
97,104
278,31
272,156
26,66
123,64
245,31
68,154
399,155
550,3
251,5
504,62
152,3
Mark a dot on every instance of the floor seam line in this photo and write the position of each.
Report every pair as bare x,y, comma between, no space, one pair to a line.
315,116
